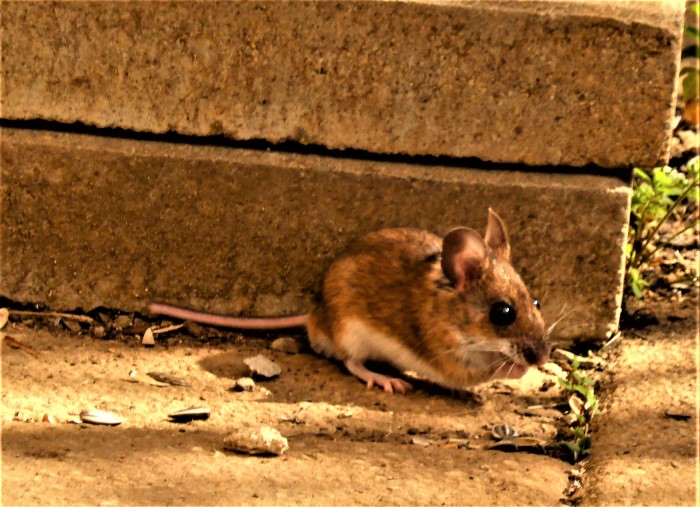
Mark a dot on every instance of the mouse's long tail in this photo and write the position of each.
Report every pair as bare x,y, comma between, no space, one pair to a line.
212,319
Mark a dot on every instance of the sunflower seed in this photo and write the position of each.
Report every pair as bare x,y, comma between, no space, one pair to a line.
100,417
190,414
503,432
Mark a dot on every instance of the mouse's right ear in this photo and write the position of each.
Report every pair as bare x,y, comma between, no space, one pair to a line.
463,256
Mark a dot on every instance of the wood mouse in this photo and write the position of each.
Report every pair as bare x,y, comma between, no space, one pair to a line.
451,309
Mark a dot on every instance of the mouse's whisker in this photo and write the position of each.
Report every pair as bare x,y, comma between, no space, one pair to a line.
562,316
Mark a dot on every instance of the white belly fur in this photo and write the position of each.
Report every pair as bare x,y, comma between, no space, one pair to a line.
363,342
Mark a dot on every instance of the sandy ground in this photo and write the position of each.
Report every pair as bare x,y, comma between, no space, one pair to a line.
347,445
640,454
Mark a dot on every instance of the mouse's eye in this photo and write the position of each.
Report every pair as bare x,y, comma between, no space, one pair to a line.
502,314
536,302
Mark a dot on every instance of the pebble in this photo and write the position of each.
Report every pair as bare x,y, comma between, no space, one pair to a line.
263,367
98,331
244,384
286,344
121,321
72,325
256,440
421,442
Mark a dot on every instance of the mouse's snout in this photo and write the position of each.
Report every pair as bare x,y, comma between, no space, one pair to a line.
536,354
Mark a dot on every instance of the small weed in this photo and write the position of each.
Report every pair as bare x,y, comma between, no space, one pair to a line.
656,197
583,404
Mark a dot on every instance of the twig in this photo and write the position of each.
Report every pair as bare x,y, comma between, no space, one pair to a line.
15,344
174,327
80,318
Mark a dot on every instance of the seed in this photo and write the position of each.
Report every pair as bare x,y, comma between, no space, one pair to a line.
503,432
100,417
190,414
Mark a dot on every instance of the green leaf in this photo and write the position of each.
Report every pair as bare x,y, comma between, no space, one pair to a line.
693,32
695,7
690,85
637,283
640,173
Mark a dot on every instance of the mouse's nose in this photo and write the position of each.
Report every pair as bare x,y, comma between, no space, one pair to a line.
536,355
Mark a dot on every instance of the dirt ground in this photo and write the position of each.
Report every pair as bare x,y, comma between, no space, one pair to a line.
347,445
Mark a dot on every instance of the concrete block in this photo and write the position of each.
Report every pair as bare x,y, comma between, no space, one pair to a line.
559,82
94,221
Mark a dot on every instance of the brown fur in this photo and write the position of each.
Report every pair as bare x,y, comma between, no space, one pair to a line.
414,300
392,281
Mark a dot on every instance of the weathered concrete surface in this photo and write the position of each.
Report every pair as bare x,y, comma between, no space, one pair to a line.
90,221
639,455
543,83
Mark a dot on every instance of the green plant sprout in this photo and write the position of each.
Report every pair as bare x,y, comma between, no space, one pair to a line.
656,196
584,405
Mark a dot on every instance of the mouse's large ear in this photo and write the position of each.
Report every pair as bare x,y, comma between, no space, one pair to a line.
497,237
463,256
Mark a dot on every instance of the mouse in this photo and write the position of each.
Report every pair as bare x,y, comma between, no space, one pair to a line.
451,309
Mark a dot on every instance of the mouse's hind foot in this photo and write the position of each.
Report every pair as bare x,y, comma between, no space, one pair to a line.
389,384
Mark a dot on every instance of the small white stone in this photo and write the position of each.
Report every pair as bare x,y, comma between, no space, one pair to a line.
256,440
262,366
244,384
